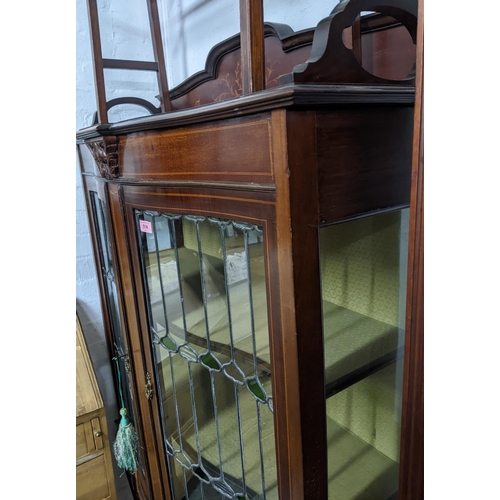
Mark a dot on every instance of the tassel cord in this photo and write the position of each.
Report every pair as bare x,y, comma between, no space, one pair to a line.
119,382
126,443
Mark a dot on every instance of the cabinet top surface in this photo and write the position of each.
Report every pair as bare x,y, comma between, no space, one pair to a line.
291,96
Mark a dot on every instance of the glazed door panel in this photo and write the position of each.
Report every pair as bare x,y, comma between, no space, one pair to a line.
109,277
202,287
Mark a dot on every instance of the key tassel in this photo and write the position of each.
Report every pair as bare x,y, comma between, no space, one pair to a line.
125,447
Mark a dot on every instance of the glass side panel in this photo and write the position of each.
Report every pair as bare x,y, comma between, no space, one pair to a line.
297,14
107,271
190,28
125,34
124,30
207,308
363,268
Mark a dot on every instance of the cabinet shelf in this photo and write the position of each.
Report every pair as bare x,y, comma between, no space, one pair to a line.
230,445
356,469
356,345
354,465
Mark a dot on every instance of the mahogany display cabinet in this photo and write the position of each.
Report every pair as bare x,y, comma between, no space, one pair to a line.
252,254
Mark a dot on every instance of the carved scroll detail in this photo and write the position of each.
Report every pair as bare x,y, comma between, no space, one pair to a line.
105,154
332,62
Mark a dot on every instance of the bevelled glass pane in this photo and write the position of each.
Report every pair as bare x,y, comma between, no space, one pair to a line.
111,297
364,268
207,308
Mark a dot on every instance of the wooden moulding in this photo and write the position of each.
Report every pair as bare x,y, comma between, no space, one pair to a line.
148,485
242,206
283,50
331,61
411,484
299,274
279,38
293,96
224,203
104,152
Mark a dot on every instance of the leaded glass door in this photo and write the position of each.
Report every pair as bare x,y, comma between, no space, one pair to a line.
204,285
119,346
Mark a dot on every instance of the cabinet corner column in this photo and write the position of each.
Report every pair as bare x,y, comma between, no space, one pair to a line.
298,357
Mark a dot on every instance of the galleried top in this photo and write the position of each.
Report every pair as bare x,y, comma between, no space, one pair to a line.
364,51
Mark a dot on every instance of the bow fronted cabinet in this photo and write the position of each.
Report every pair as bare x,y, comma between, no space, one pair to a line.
253,250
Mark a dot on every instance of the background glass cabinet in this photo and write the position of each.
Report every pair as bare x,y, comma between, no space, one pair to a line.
253,253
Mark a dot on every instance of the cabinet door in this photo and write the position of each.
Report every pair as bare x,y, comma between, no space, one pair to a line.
202,294
113,314
94,473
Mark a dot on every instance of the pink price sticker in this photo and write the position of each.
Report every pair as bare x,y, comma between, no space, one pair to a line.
145,226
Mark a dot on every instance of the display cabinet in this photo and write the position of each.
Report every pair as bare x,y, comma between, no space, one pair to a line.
252,238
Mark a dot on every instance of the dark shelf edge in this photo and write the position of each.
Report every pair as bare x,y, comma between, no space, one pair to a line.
183,183
364,371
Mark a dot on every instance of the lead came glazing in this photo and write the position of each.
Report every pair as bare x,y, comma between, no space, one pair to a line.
108,274
206,297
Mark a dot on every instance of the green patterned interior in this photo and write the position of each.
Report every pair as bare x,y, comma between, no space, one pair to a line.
363,266
209,235
363,281
360,266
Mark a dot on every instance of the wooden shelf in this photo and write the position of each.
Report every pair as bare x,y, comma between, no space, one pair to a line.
356,346
352,341
356,470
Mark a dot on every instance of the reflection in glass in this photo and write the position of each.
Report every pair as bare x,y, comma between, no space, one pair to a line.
111,297
190,28
207,313
125,34
297,14
363,264
124,30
